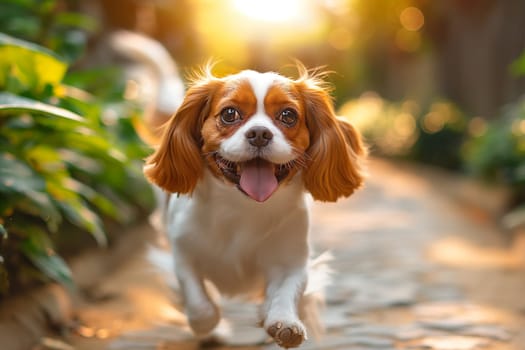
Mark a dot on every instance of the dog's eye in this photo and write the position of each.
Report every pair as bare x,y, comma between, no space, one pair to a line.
288,117
230,115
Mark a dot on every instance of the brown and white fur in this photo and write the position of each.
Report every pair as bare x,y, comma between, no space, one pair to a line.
237,162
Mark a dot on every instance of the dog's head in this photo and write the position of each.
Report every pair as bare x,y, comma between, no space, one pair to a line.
256,131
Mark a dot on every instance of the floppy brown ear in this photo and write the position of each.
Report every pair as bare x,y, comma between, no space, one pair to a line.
336,151
177,165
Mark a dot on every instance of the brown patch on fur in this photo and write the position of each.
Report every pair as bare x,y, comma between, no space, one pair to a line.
330,150
237,94
177,165
336,151
279,98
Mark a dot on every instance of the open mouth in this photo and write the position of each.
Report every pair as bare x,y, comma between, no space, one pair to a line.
257,178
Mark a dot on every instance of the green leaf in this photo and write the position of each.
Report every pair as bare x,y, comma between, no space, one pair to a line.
19,21
34,65
10,103
3,232
76,20
76,210
40,204
98,200
79,214
16,176
518,66
95,145
25,3
46,6
81,162
38,248
46,159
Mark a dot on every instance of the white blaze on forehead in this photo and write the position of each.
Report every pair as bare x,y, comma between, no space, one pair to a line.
237,148
261,83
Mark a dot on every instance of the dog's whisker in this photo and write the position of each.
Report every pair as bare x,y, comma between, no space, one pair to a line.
305,156
300,160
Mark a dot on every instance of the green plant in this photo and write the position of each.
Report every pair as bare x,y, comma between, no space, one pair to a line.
499,153
47,23
430,134
67,158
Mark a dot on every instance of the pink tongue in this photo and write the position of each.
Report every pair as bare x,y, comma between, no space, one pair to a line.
258,179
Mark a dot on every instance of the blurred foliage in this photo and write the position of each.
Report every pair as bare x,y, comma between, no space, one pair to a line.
68,157
518,66
499,152
431,134
440,134
47,23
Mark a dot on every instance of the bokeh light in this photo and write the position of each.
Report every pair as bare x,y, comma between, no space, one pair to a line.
518,127
477,126
255,30
412,19
271,10
433,122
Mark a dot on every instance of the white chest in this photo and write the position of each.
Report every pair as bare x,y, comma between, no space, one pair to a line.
234,241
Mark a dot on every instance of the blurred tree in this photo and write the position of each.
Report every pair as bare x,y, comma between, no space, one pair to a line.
460,49
475,43
169,21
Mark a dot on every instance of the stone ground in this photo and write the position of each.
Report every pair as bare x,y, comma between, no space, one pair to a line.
414,268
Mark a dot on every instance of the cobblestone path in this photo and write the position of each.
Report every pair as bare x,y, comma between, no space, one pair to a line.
412,270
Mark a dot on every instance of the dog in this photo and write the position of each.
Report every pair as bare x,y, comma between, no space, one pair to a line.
236,164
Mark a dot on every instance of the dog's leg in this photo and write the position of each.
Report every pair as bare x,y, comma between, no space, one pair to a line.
281,319
203,314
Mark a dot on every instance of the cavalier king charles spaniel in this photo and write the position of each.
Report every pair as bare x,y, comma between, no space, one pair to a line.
237,163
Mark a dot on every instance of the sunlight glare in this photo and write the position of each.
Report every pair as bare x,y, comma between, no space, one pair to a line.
271,10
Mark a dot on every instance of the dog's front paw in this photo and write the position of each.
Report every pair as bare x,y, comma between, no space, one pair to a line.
203,318
286,334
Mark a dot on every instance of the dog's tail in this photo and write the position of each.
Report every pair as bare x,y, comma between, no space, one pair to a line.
313,301
161,68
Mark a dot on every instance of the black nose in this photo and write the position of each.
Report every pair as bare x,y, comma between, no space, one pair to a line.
259,136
